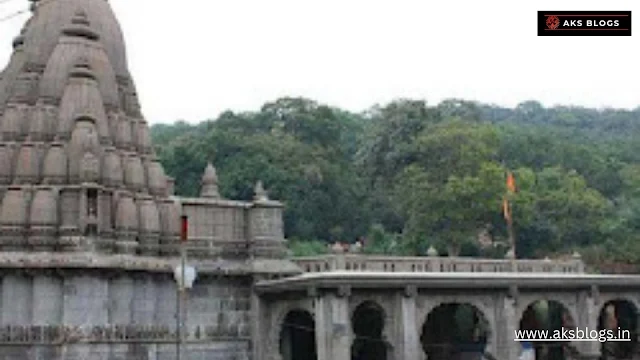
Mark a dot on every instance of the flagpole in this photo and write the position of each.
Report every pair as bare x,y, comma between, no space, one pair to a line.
511,189
512,238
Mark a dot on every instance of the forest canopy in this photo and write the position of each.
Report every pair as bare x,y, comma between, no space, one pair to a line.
407,175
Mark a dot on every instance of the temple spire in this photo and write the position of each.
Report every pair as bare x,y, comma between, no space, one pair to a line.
70,117
260,192
210,183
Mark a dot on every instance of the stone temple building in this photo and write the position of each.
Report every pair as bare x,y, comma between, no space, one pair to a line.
89,226
90,237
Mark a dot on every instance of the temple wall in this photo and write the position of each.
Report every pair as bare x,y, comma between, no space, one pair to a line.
233,229
118,315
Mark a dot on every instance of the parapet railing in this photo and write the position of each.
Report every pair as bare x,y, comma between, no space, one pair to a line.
361,262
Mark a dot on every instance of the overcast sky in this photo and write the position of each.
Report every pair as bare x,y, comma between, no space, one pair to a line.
192,59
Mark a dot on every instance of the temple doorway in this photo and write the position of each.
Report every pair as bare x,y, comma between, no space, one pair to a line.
368,325
550,316
298,336
619,319
455,331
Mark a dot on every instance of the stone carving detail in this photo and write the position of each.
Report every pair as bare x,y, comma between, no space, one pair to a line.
70,334
170,227
123,133
113,174
6,156
126,224
344,291
44,220
55,165
432,252
410,291
143,138
149,226
156,178
25,88
210,183
90,168
13,122
28,165
13,219
260,192
134,173
42,121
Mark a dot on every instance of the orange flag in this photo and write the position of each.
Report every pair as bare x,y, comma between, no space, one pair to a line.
511,182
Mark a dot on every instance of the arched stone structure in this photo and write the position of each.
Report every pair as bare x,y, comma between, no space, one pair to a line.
386,306
618,317
568,302
403,303
278,316
552,317
298,336
455,329
483,303
368,326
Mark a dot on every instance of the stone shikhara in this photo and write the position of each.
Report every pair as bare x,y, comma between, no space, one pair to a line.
89,224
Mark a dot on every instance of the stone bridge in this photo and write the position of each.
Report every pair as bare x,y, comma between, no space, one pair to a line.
350,306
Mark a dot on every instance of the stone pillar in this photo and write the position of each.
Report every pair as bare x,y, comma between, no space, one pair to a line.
506,325
333,326
258,328
588,313
407,345
266,229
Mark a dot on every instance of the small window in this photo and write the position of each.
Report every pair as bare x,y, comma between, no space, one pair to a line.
92,202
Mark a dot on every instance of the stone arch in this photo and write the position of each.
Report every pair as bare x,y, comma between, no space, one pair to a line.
297,339
484,304
525,302
455,327
276,318
551,316
604,298
618,317
384,306
368,322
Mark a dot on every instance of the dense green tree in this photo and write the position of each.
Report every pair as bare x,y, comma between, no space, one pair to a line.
409,176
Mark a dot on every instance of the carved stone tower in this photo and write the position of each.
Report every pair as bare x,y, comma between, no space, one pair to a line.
78,170
87,210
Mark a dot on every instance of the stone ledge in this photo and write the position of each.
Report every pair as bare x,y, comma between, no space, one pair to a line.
31,261
185,201
399,280
95,334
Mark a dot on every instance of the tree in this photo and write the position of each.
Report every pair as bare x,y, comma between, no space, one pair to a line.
414,175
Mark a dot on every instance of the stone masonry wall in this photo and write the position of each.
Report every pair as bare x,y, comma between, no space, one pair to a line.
81,315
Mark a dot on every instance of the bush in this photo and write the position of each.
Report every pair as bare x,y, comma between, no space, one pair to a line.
307,247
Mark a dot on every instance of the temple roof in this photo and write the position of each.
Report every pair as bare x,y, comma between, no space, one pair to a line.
70,120
67,83
78,172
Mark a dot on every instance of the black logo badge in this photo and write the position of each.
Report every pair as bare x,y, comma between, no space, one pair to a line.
584,23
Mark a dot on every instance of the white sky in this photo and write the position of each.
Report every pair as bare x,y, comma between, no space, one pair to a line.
192,59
